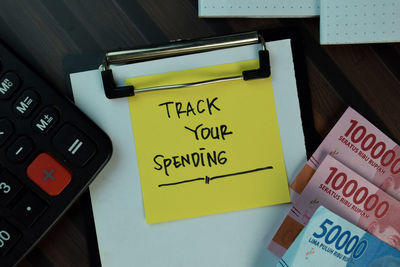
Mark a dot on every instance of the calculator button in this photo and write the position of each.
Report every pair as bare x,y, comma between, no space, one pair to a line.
9,187
6,130
9,83
20,149
74,145
25,104
49,174
29,208
46,119
9,235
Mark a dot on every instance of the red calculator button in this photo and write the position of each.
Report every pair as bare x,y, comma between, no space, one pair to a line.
49,174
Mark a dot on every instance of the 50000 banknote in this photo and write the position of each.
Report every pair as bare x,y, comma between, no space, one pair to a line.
330,240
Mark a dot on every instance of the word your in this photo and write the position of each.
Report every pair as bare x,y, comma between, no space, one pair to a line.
213,132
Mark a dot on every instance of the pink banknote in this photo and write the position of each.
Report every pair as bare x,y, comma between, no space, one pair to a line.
357,143
346,193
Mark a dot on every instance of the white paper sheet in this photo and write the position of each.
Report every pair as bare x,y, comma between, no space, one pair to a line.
229,239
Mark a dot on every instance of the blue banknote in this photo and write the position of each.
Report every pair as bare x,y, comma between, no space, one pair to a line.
330,240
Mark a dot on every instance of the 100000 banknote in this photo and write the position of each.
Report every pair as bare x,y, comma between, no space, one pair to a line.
329,240
357,143
346,193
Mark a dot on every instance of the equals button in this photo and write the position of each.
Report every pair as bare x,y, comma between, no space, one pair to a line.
75,145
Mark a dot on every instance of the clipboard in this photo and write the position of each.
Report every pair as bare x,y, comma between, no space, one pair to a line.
178,49
79,63
307,122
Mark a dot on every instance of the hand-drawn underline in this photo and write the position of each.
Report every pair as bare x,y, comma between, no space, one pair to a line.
208,179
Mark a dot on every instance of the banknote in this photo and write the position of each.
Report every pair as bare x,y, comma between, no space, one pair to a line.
348,194
329,240
357,143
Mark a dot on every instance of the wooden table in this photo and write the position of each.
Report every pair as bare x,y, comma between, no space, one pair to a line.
44,32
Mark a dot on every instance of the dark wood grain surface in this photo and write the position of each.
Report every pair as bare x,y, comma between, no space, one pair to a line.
44,32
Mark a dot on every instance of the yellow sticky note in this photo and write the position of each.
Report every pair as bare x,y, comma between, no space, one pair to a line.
207,149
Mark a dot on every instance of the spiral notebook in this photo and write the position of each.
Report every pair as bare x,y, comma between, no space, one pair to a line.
360,21
258,8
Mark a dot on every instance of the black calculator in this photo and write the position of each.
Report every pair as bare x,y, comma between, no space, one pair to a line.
49,153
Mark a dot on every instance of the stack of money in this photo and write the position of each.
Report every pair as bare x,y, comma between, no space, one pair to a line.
355,173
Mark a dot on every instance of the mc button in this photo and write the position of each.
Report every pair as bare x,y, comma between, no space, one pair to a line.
9,83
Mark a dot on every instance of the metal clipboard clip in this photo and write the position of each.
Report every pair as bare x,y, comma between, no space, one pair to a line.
178,48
